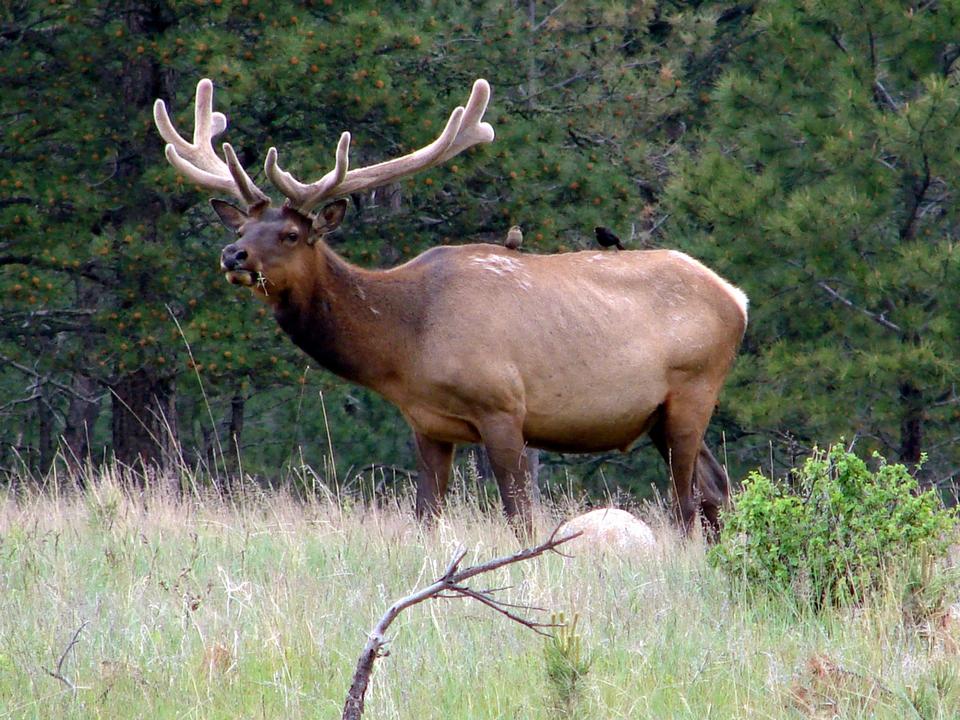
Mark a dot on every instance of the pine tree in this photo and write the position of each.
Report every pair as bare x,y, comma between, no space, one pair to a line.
825,186
102,245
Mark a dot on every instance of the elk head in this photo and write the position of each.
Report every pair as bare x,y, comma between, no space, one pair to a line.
277,246
274,249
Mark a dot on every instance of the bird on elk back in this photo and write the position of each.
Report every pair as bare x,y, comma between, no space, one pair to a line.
607,239
514,238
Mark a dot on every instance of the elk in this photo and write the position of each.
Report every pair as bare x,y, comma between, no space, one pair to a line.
577,352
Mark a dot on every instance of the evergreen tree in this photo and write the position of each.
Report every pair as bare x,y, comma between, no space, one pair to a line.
119,334
825,185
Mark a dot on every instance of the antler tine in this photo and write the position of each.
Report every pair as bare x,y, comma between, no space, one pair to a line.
463,129
386,172
306,197
208,180
198,161
472,131
250,193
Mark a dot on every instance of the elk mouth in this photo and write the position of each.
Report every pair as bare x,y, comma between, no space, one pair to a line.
246,278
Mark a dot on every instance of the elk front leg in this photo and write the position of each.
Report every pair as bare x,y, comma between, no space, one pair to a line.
503,439
434,458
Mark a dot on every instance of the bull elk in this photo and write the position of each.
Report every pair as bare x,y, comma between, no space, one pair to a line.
574,352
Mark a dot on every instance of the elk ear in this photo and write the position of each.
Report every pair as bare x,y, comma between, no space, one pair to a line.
329,219
230,215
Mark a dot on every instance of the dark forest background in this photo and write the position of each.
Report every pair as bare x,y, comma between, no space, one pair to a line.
807,151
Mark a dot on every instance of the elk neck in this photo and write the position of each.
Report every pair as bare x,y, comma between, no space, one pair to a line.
354,322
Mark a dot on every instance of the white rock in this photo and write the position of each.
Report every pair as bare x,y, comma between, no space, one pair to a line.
612,529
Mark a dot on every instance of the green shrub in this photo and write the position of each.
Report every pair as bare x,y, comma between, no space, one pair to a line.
567,664
834,532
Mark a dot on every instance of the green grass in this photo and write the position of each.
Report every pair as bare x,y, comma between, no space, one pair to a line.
259,609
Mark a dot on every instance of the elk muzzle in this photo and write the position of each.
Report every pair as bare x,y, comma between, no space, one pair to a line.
232,260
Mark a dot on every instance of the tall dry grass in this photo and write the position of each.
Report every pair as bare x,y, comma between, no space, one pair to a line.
257,605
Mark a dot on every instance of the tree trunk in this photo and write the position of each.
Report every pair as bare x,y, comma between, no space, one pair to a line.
144,411
911,423
233,463
145,420
45,445
82,414
85,397
237,404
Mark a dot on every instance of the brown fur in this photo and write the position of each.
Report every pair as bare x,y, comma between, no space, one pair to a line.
575,352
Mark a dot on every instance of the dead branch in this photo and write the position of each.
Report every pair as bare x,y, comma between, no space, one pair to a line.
879,318
86,270
448,585
44,379
58,673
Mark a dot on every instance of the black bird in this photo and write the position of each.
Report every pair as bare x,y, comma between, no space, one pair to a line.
606,238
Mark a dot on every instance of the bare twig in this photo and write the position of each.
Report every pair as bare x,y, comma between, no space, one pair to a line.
879,318
450,584
58,673
44,379
547,17
884,97
501,607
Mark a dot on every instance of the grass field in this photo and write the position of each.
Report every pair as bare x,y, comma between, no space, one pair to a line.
259,608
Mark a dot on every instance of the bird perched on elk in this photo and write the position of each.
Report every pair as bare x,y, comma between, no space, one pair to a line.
607,239
514,238
582,352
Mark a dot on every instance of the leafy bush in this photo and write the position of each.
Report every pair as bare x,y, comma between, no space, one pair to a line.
834,532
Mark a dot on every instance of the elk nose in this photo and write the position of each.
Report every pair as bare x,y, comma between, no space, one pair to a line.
232,257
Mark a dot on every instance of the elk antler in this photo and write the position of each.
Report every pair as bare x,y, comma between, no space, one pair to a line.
198,160
463,130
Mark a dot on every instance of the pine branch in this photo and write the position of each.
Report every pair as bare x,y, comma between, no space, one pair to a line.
85,270
884,97
909,228
546,18
879,318
44,379
19,200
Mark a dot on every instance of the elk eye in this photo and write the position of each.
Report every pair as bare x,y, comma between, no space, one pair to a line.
291,237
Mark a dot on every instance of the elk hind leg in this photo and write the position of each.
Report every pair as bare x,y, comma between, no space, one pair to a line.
678,436
711,482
